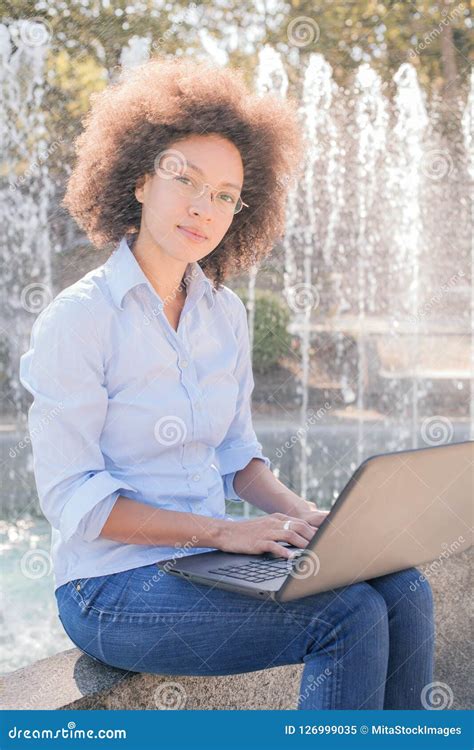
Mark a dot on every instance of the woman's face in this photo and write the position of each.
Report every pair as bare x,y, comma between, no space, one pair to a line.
166,209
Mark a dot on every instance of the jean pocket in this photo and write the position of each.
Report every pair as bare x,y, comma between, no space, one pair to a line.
85,590
77,583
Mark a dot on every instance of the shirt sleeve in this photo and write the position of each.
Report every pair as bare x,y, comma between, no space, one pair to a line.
63,370
240,444
92,523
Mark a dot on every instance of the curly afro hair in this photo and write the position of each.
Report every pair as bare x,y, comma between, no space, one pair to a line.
155,105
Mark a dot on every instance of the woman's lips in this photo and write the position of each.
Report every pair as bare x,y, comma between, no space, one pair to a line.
190,235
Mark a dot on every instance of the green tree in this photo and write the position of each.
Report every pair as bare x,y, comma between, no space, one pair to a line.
433,36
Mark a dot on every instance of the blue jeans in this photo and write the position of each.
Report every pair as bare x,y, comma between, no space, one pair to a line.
369,645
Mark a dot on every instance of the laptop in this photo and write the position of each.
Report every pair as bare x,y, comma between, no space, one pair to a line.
398,510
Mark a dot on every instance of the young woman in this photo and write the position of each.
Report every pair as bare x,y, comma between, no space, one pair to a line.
141,422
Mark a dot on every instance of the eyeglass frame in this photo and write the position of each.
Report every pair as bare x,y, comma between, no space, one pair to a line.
207,185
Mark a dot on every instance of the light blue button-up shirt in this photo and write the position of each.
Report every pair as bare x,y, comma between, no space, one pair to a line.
125,405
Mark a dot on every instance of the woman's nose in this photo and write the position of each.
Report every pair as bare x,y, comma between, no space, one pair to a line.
202,205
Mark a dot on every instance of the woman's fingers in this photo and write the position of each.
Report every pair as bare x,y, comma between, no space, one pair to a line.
297,540
278,550
317,517
299,534
301,527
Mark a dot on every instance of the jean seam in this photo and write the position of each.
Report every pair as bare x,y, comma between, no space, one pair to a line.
163,615
117,615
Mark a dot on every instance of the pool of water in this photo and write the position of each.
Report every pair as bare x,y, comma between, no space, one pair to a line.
30,628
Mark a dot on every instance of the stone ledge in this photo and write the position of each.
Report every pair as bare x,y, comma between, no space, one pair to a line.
72,680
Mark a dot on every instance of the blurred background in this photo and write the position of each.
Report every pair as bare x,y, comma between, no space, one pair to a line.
361,318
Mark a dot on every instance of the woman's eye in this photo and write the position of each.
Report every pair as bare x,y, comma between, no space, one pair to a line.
227,198
185,180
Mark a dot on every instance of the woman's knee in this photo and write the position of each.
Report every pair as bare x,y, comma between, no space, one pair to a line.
419,584
420,593
409,599
364,611
412,586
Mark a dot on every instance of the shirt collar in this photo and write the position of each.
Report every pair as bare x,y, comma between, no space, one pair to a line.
123,272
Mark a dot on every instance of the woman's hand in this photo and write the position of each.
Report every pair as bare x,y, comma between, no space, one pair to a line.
309,512
263,534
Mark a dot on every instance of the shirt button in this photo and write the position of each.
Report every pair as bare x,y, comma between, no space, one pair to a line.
184,363
196,477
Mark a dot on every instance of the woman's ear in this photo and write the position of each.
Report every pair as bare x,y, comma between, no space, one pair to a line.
139,188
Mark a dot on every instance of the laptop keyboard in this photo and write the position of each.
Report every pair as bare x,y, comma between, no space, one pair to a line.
256,571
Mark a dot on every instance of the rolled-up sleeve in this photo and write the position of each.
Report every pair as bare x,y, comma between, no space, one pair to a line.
240,444
64,371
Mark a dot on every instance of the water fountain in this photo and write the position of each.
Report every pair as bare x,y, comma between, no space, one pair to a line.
26,197
371,121
27,194
137,51
404,180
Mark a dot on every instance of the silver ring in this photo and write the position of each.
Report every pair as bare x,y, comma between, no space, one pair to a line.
286,525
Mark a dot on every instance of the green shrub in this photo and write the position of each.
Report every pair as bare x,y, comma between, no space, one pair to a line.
271,340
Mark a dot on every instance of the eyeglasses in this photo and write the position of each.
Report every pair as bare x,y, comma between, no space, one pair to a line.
187,185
